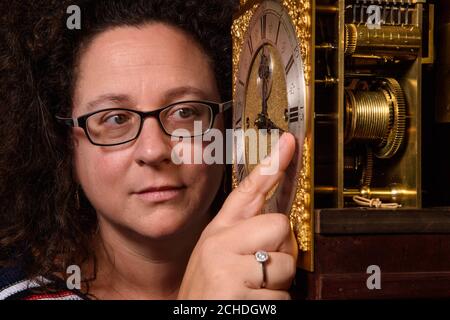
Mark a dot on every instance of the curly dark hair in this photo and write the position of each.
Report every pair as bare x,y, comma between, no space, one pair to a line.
41,226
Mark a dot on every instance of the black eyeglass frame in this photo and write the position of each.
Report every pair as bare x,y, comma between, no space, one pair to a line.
81,121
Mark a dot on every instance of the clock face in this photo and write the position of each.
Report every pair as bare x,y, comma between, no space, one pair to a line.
269,96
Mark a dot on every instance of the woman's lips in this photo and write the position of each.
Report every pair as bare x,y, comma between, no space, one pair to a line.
160,194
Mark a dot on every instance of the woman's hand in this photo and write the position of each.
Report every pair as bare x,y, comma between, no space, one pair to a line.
223,264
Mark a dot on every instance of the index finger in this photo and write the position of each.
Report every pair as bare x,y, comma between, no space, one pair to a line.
248,198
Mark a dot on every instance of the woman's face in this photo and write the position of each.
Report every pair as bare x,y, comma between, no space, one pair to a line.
144,68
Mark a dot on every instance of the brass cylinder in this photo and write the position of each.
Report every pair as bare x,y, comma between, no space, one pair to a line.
367,116
330,9
395,193
398,41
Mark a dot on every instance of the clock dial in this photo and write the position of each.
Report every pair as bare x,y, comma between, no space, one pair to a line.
262,101
270,94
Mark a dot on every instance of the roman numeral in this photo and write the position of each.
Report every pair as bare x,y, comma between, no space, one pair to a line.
263,27
250,45
293,114
289,64
278,32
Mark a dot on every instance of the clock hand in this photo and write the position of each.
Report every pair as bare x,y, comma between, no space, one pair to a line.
271,126
264,74
264,122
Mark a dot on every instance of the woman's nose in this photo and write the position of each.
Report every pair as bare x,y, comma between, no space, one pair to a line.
153,146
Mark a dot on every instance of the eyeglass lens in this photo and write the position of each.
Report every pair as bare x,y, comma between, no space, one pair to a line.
118,126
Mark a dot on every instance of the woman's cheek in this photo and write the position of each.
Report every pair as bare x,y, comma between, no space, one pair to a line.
205,179
101,171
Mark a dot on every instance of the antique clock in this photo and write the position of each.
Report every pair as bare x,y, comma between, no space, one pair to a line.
272,93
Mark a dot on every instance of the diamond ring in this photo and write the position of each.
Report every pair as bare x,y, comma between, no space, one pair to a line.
262,256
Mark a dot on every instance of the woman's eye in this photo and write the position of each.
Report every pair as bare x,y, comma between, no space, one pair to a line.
116,119
184,113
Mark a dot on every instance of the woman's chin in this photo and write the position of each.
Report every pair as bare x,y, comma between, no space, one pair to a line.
164,223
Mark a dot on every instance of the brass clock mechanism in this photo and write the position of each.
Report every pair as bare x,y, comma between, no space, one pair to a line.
368,60
344,77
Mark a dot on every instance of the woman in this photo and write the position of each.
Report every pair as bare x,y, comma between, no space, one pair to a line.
98,189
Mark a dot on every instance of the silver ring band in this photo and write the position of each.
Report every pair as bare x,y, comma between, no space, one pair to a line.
262,256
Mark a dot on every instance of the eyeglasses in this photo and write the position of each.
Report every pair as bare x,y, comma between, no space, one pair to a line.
114,126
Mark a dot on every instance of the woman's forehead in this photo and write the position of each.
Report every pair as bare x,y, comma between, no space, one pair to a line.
150,59
153,42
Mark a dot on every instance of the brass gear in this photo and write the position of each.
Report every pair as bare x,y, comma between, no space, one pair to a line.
350,39
367,173
390,144
377,117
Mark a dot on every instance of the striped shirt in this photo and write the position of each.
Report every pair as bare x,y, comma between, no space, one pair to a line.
15,286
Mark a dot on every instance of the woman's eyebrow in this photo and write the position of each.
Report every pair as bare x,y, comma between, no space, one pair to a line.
169,95
180,92
116,98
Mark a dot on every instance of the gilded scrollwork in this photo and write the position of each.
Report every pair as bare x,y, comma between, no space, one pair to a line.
300,13
300,215
234,180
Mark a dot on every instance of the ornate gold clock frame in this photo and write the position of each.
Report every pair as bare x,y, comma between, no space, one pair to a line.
298,15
